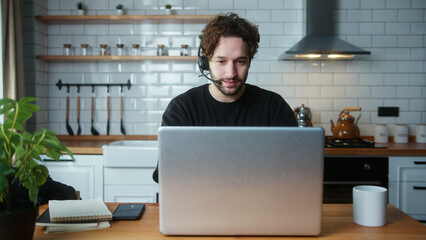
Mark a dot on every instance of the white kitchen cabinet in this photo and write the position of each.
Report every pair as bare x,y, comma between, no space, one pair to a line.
84,174
407,185
128,168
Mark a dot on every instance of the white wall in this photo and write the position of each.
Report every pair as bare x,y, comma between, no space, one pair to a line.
394,75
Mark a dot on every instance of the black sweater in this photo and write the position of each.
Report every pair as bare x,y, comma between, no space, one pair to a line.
256,107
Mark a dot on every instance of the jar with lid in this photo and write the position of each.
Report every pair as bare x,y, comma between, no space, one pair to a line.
135,50
421,133
67,49
103,50
401,133
120,49
381,133
84,49
161,50
184,51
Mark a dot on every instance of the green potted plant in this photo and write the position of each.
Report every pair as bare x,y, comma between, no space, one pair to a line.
81,8
119,8
168,9
20,169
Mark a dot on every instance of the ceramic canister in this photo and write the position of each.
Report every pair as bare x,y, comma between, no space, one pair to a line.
381,133
421,133
401,133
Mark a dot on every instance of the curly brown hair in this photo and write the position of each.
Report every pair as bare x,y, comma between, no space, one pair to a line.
229,25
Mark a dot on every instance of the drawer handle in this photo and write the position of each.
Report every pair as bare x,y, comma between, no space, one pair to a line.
53,160
419,188
420,162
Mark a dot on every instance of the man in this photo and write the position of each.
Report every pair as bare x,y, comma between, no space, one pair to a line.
229,44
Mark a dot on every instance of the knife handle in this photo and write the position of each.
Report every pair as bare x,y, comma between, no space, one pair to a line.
121,107
93,108
108,106
67,113
78,107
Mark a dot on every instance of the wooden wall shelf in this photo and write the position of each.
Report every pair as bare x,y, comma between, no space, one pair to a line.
73,18
58,58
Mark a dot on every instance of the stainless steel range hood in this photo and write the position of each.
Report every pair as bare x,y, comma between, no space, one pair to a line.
320,42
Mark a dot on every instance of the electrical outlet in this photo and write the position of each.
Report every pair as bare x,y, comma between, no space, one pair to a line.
388,111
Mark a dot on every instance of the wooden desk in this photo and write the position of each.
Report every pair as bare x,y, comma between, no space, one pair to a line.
336,224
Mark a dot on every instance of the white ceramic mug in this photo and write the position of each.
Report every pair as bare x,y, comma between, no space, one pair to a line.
369,205
401,133
381,133
421,133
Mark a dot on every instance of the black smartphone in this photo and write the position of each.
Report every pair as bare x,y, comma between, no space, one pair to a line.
128,211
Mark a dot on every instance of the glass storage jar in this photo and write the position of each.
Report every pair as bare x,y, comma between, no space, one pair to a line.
67,49
120,49
103,50
161,50
84,49
184,51
135,50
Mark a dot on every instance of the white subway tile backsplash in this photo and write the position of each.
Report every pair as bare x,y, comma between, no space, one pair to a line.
291,79
348,28
221,4
408,92
410,66
308,92
411,15
418,28
418,79
397,54
158,91
384,15
271,4
371,79
333,66
384,66
417,104
333,92
376,4
349,4
320,79
409,118
372,28
385,41
345,79
359,16
358,92
245,4
398,4
397,28
170,78
403,104
397,79
258,66
418,54
317,104
271,28
283,15
418,4
383,92
271,79
308,66
369,104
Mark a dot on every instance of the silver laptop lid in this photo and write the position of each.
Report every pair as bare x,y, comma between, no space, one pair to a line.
240,180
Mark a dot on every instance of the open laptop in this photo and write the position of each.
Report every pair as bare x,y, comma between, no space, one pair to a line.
240,180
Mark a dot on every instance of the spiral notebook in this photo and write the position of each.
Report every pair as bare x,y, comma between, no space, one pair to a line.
78,210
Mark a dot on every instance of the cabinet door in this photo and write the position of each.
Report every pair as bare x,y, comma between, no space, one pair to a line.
407,169
84,174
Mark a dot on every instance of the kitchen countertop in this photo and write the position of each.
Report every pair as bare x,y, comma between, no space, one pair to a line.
88,144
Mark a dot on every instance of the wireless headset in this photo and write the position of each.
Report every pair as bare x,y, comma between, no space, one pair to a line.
203,65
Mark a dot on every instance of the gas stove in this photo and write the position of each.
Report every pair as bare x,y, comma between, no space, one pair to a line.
331,142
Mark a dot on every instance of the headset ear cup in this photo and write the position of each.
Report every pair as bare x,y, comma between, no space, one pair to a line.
205,63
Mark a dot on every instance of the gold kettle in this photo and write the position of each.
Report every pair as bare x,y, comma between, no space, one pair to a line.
346,124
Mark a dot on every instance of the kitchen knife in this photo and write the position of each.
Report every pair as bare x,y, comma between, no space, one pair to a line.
108,115
78,116
92,128
123,131
67,115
